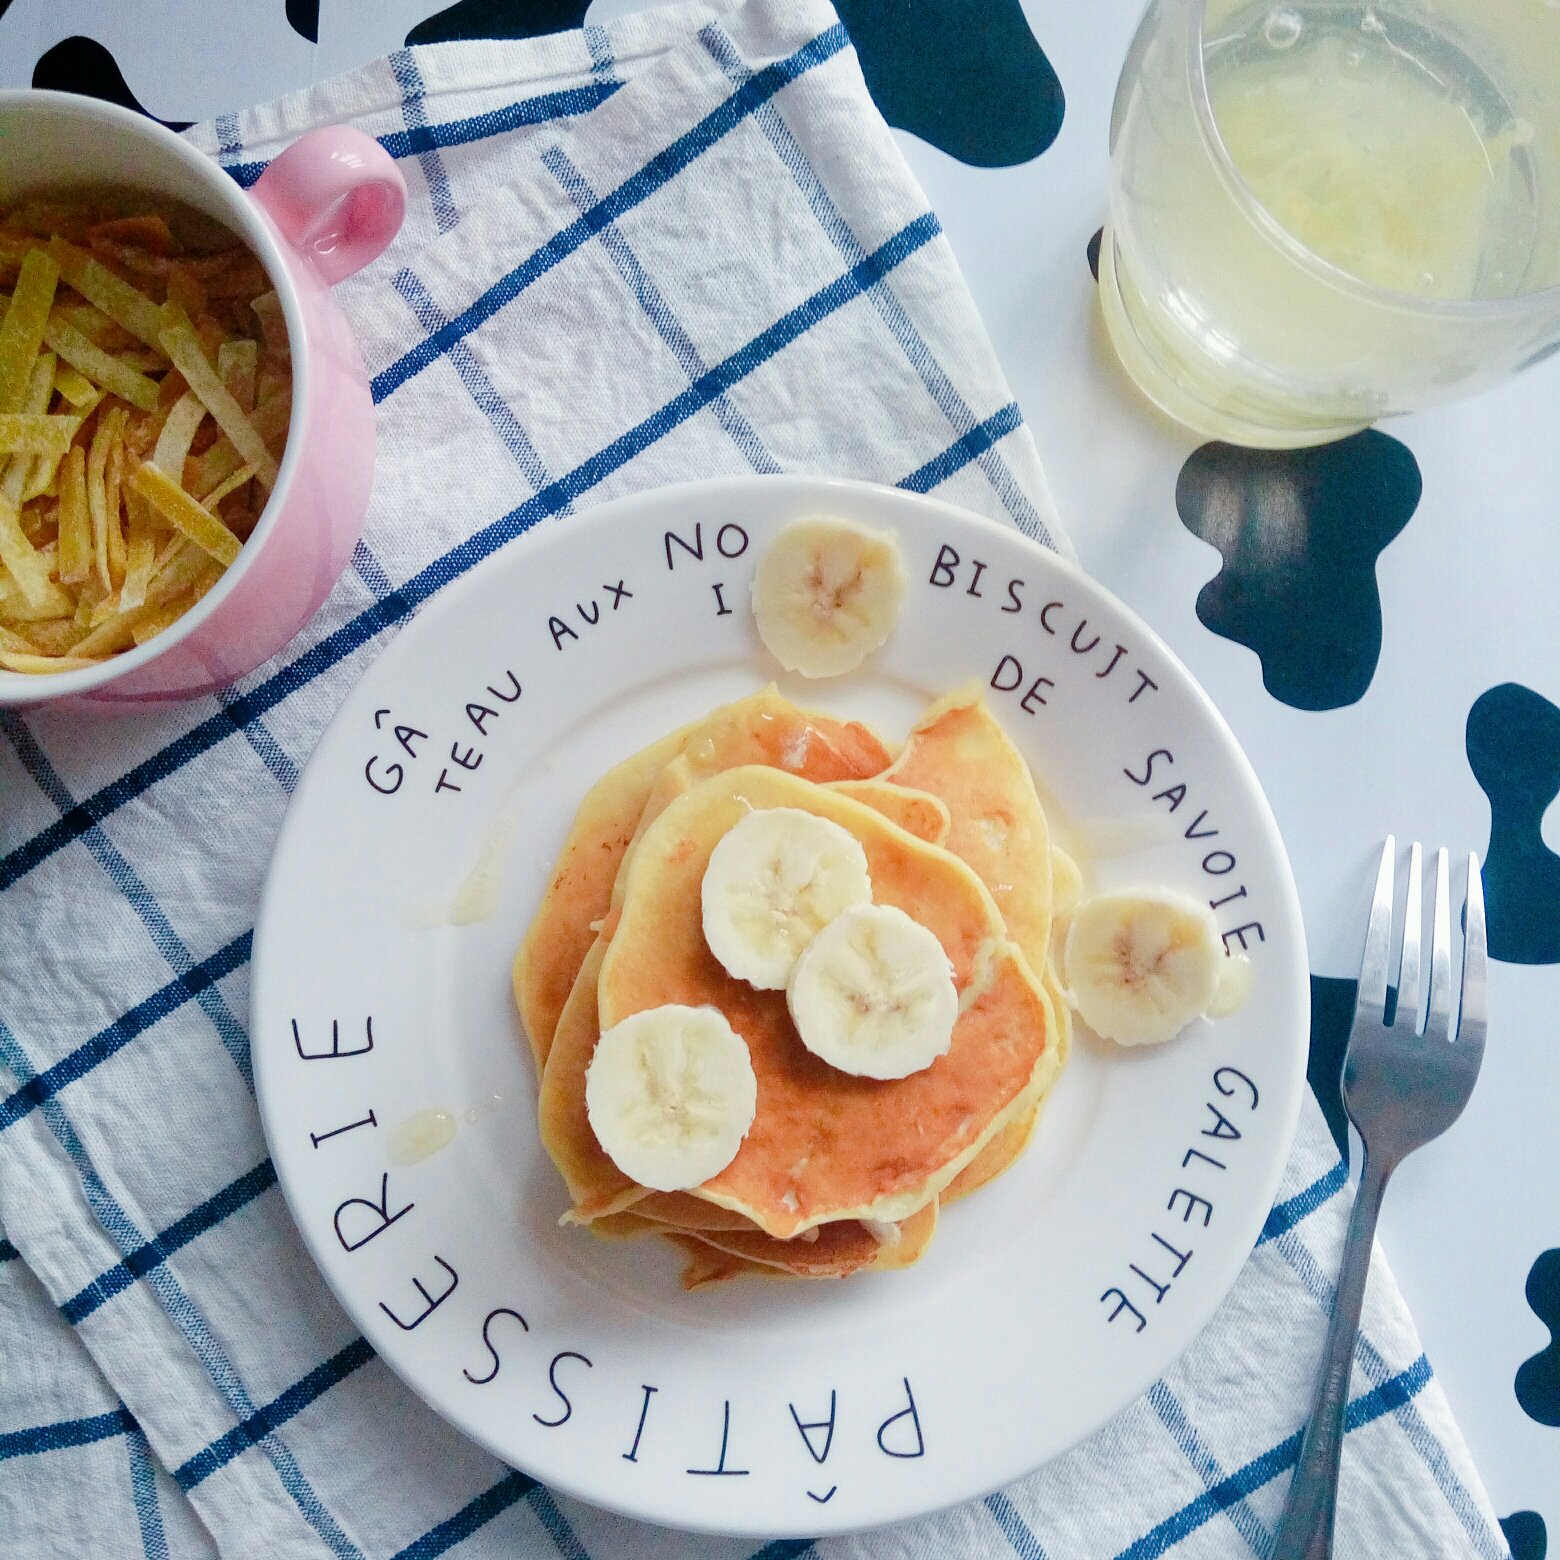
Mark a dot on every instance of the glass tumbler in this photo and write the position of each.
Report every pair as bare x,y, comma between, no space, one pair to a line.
1325,213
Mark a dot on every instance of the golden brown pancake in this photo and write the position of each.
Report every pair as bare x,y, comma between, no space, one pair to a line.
1008,1145
706,1265
916,812
763,728
998,1155
677,1210
581,888
703,1265
823,1145
959,781
843,1247
829,1251
565,1127
958,751
596,1186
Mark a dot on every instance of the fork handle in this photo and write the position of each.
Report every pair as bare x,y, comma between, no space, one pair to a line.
1306,1532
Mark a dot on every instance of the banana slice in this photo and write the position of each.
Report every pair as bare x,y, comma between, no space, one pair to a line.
873,994
1142,963
773,882
670,1094
826,594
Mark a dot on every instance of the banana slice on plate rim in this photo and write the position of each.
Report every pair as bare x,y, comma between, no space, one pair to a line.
826,594
1141,964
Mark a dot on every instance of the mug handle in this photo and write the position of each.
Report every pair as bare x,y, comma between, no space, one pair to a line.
336,196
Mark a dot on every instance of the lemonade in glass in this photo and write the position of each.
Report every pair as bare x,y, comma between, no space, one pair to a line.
1323,213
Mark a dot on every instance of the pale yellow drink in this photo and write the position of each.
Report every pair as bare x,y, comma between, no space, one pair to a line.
1401,169
1335,212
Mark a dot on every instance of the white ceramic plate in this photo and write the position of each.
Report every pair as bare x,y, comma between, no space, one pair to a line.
1047,1302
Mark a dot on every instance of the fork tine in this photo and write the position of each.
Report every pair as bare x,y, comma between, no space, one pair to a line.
1438,997
1408,969
1473,1017
1372,999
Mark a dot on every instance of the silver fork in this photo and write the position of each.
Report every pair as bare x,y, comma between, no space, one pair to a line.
1401,1088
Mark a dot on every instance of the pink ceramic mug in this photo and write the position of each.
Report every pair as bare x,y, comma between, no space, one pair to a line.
321,211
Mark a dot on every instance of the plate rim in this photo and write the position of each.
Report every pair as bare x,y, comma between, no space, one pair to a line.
568,531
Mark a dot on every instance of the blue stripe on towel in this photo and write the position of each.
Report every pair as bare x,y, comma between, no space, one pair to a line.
656,309
1174,1418
1386,1398
256,1427
415,113
969,447
939,384
1014,1529
124,877
401,144
143,1495
478,386
1287,1214
154,1252
65,1432
143,1016
476,1513
633,191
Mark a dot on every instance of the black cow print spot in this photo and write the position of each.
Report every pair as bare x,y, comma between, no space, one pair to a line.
1299,532
967,75
303,16
83,65
1332,1012
1526,1534
1538,1381
499,19
1093,252
1513,742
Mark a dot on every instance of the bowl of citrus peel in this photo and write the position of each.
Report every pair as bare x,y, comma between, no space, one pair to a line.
793,991
145,396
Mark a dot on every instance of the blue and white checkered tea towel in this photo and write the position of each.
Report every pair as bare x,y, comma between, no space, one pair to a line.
685,243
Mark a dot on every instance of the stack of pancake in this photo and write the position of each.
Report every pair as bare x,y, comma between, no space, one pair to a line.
838,1173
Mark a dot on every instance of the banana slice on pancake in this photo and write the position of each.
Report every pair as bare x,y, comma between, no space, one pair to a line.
670,1093
873,994
826,594
773,882
1142,963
